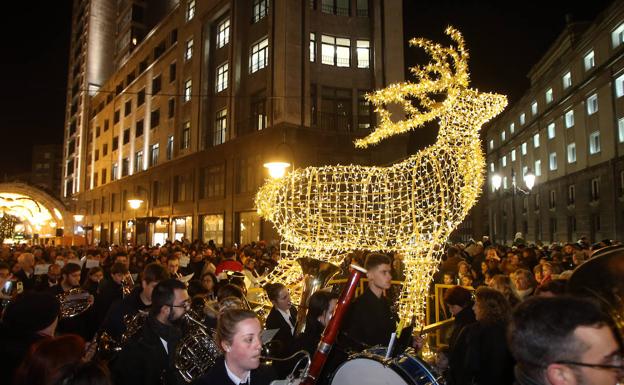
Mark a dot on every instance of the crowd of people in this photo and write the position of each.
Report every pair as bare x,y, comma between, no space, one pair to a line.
140,297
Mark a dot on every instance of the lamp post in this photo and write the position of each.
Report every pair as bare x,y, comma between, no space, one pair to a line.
134,203
529,182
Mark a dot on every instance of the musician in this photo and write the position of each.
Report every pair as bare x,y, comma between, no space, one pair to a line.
110,290
239,336
26,272
283,316
173,265
148,358
79,324
371,321
139,299
31,317
50,279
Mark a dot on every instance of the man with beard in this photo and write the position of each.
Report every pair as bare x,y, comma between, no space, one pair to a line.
78,324
148,358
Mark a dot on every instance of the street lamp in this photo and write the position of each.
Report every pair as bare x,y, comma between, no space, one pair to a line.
135,203
78,217
529,182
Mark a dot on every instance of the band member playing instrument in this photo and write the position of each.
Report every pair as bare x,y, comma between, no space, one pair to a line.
238,334
79,324
371,321
139,299
109,291
148,357
282,316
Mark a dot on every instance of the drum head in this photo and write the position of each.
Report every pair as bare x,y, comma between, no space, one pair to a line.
365,371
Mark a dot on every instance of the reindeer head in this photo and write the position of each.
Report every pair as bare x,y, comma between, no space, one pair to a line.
446,75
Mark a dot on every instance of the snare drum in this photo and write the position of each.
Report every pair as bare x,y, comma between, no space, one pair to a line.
371,368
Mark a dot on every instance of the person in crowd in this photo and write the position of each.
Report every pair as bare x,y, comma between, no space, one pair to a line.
94,277
372,306
453,258
195,266
250,273
110,290
49,359
320,309
209,282
466,280
173,265
239,336
50,279
459,301
524,284
487,360
148,357
79,323
503,284
229,263
283,317
547,273
26,272
553,288
139,300
563,341
31,317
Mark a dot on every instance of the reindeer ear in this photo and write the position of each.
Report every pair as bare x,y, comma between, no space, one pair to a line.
493,104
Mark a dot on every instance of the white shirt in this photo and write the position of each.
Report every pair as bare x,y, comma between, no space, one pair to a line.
234,378
286,315
164,344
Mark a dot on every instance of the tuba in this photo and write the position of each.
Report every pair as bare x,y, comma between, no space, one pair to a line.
74,302
316,275
196,352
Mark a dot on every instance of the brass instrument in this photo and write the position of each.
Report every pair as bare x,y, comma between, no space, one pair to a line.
316,275
127,284
74,302
197,351
108,346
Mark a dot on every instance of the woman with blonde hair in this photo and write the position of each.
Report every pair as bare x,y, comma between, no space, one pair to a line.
503,284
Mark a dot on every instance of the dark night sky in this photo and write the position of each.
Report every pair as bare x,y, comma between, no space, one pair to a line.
505,38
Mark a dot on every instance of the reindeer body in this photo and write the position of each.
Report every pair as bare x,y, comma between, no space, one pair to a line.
410,207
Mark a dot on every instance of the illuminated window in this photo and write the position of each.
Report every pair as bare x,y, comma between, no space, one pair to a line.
220,127
223,33
617,36
549,95
188,52
524,148
566,79
503,135
513,155
551,130
594,142
536,140
571,152
592,104
512,128
522,118
260,10
363,53
190,9
335,51
569,118
259,56
619,86
589,61
154,152
188,85
222,77
312,46
534,108
553,161
186,136
538,167
621,130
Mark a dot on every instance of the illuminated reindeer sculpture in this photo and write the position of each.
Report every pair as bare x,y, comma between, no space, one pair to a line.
410,207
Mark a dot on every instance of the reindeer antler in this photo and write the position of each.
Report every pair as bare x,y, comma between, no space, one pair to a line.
447,72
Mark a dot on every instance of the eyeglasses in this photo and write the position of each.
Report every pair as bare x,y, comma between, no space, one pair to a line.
186,304
595,366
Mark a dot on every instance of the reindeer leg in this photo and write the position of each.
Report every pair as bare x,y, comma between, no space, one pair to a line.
419,272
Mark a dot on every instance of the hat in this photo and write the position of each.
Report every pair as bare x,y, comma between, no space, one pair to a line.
31,312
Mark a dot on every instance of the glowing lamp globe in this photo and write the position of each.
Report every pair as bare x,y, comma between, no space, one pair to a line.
135,203
277,169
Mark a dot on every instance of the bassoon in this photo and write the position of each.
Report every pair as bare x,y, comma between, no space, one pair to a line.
331,331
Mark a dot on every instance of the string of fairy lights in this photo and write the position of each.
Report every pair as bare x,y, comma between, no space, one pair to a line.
410,207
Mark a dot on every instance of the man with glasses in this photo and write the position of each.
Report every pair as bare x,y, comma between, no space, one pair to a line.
564,341
148,358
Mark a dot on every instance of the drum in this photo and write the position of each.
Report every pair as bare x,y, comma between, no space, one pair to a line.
371,368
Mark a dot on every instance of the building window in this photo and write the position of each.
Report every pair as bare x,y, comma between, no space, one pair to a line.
538,167
188,51
220,127
170,147
115,172
549,95
566,79
258,112
222,77
125,166
186,136
621,130
154,152
571,152
105,149
140,97
503,136
522,118
312,46
617,36
187,90
552,201
363,53
492,168
505,183
525,171
128,108
595,189
260,10
154,118
513,155
504,161
171,108
223,33
259,55
491,144
362,8
335,7
156,85
536,140
212,229
365,111
551,130
592,104
621,183
569,118
594,142
523,148
571,194
104,176
512,128
619,86
552,161
172,72
115,143
212,182
335,51
138,129
138,161
190,10
589,61
534,108
116,117
126,136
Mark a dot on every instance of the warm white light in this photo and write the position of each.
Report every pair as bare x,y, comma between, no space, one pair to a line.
277,169
529,180
135,203
496,181
58,214
78,217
